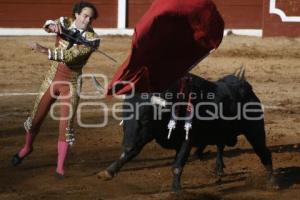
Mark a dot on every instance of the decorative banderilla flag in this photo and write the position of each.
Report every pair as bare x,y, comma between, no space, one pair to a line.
171,38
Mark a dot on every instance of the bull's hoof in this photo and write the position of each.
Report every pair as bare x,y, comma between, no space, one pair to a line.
105,175
218,181
272,183
176,188
219,171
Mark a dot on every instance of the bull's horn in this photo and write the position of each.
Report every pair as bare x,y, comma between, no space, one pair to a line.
243,74
235,73
239,72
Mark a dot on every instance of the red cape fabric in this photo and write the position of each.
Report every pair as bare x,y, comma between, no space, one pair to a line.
171,38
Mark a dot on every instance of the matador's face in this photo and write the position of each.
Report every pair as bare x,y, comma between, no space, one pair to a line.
84,19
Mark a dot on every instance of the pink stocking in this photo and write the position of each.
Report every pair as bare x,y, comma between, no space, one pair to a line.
27,147
62,148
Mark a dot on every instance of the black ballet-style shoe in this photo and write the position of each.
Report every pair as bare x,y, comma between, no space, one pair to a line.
17,160
59,176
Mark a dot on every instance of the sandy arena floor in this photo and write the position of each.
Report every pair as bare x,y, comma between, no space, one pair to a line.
272,67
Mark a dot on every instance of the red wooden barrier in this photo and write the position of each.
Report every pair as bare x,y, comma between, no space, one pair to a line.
238,14
33,13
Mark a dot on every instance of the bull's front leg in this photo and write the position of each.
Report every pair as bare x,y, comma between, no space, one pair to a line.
128,154
181,157
258,141
219,170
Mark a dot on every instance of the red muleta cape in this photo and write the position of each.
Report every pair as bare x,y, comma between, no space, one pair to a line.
171,38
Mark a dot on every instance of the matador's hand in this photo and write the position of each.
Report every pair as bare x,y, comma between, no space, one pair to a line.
38,48
54,28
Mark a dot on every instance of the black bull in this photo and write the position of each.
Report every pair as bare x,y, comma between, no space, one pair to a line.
226,108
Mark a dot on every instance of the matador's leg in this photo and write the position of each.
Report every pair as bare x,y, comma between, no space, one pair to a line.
33,123
68,109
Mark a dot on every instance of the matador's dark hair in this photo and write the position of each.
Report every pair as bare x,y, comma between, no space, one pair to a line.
84,4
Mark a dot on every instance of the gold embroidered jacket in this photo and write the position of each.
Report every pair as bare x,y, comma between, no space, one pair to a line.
76,56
